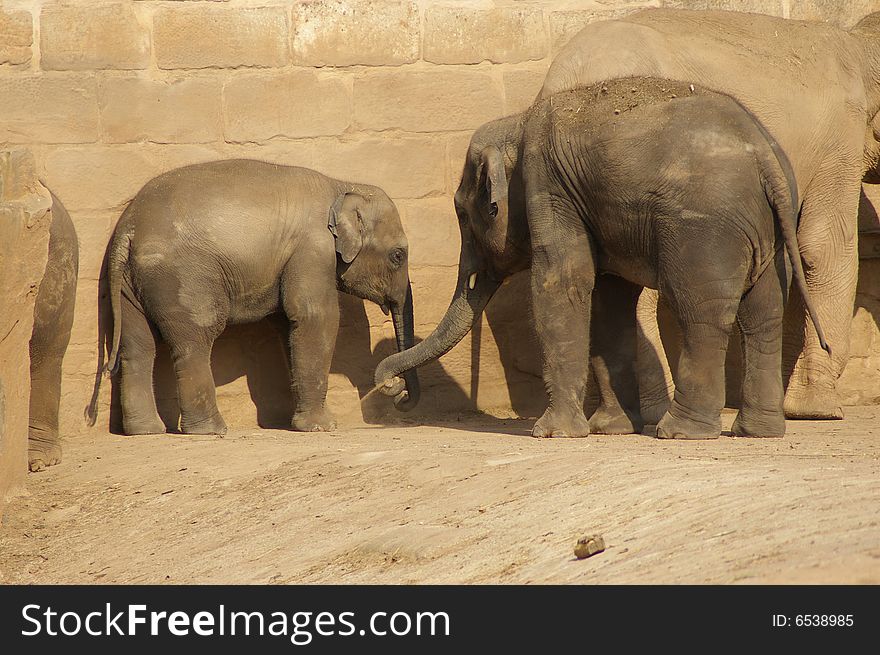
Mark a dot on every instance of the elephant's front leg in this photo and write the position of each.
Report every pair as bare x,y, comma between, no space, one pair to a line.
312,306
563,276
613,356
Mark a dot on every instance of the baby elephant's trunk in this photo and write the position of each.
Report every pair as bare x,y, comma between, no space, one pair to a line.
404,330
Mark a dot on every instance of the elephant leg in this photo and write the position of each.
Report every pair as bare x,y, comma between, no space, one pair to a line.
562,279
760,322
706,313
613,356
654,376
827,234
313,310
44,443
196,393
137,355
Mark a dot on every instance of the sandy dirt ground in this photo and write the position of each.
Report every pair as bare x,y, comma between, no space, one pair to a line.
471,501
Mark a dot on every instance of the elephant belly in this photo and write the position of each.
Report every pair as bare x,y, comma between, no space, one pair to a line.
254,304
635,269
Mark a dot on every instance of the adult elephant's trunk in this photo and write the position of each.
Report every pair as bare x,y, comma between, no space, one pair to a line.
471,296
404,330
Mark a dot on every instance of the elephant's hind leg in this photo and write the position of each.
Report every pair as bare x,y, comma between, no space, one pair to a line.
196,393
137,355
760,322
44,444
828,241
190,333
706,310
613,356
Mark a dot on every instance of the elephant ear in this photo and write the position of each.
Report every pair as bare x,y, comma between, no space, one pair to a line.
346,225
494,176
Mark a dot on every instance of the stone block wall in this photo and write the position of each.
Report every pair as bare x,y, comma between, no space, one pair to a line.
110,93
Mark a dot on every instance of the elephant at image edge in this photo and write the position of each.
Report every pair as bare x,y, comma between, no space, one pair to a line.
682,185
53,320
234,241
816,89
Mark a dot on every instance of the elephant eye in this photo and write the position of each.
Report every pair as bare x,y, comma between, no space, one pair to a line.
493,210
397,256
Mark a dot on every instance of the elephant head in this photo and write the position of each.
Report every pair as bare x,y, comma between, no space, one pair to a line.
372,263
495,243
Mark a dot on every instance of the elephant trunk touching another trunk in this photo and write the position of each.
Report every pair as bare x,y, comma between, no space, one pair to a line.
471,296
404,330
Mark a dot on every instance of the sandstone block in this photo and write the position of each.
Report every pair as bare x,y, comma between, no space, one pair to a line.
426,101
460,35
431,228
220,36
771,7
93,228
862,333
349,32
24,245
178,111
89,38
456,151
106,178
842,14
298,104
405,166
50,108
16,37
521,87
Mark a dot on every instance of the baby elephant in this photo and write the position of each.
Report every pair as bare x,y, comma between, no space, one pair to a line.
209,245
651,183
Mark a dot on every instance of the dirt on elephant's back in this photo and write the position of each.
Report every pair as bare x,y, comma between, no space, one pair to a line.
474,500
603,101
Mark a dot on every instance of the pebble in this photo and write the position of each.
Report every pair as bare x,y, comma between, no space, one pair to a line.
589,546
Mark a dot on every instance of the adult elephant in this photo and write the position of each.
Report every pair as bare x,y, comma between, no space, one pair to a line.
815,87
210,245
53,320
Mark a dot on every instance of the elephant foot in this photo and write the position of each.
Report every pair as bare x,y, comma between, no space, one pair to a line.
560,424
212,425
673,427
42,455
812,402
317,421
135,427
758,424
605,422
652,412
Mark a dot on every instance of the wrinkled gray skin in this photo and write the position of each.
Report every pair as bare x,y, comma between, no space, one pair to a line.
53,320
816,88
209,245
689,195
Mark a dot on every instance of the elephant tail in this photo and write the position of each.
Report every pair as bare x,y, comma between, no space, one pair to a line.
782,191
116,261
